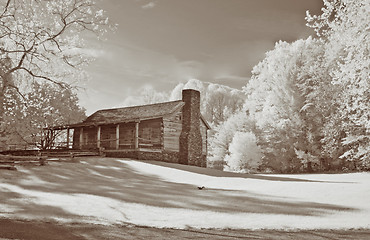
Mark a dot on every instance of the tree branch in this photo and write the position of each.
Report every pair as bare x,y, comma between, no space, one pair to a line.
5,8
60,84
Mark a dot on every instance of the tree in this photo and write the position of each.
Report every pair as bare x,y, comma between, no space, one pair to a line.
219,142
42,40
274,103
244,154
344,27
46,106
13,108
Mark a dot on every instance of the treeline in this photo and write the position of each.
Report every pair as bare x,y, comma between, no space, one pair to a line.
308,102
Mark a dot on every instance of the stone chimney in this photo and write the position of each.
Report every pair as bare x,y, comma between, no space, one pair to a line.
190,137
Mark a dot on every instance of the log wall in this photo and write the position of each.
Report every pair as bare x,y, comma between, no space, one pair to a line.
150,134
108,136
172,127
89,138
127,135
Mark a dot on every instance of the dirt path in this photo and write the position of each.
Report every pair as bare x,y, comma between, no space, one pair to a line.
36,230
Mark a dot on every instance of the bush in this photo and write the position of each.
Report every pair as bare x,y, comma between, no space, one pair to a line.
244,154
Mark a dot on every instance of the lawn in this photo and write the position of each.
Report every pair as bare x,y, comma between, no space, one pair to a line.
109,191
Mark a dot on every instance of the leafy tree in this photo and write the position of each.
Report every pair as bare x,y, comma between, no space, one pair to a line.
276,109
274,103
46,106
344,27
219,142
13,108
244,154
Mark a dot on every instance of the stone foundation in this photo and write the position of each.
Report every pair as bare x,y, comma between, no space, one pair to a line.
122,154
163,156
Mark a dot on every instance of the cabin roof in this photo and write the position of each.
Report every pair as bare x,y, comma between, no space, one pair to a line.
134,113
130,114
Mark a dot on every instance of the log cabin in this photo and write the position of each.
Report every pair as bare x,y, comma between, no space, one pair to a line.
172,131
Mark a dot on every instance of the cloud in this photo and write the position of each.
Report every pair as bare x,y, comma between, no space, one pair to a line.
231,78
188,69
144,95
232,81
149,5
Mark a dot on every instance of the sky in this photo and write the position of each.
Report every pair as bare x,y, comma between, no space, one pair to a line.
162,43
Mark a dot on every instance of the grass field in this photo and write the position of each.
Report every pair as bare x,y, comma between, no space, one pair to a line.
108,192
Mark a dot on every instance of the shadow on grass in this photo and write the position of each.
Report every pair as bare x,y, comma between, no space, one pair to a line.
112,179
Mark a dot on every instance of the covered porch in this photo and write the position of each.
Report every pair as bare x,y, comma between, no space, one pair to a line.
126,136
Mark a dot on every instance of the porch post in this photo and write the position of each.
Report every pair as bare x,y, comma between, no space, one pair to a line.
98,137
136,135
117,136
50,144
162,135
81,137
67,138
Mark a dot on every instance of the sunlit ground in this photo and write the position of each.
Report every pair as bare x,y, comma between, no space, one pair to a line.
108,191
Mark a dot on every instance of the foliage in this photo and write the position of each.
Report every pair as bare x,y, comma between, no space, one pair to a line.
244,154
46,106
309,99
274,103
13,107
344,26
219,143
